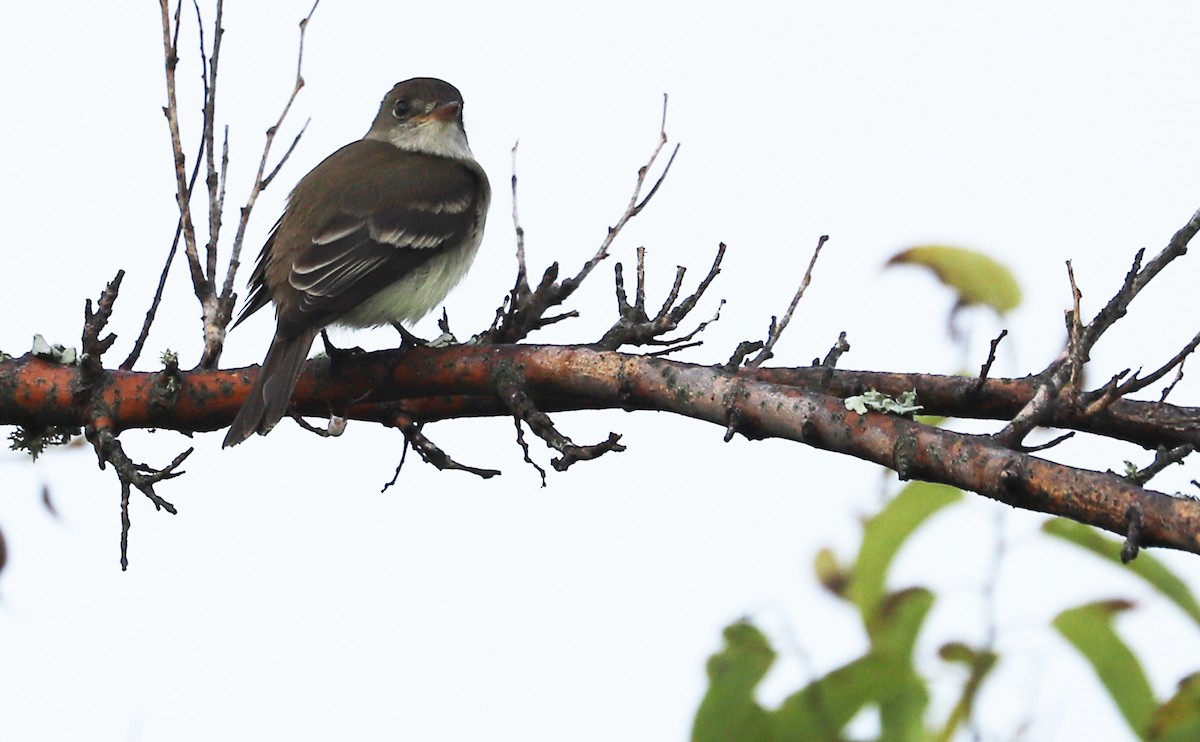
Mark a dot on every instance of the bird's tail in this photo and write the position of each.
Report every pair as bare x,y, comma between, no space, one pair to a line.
268,400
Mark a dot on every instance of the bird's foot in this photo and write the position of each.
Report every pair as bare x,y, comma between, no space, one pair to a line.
335,353
408,339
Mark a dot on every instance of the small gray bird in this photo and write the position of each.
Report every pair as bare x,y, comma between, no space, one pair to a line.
378,233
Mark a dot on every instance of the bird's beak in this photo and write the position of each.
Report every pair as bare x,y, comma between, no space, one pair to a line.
445,111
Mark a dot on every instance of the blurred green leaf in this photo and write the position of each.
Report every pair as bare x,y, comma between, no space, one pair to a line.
974,277
830,573
893,635
728,710
979,664
933,421
893,629
1145,566
1090,630
821,709
885,533
1178,720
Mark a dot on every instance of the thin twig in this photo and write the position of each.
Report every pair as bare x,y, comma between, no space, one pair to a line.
777,331
635,327
986,368
1077,352
521,285
182,192
1138,382
260,183
836,351
1171,387
636,202
525,450
399,465
152,312
523,310
743,349
1163,458
429,452
208,69
510,387
1048,444
1066,370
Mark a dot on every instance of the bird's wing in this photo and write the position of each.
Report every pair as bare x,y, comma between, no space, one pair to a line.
260,294
391,217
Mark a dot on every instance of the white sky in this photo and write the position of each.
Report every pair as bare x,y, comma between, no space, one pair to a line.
289,599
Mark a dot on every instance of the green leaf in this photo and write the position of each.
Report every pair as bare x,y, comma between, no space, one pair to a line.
894,627
1090,630
884,677
1145,566
893,635
1178,720
980,663
823,708
885,533
728,710
933,421
975,277
830,573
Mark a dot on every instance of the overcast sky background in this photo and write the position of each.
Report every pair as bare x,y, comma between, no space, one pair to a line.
289,599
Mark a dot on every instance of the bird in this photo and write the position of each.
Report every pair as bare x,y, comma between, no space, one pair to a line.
378,233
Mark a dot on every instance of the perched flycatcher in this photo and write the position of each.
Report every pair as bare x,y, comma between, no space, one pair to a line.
377,233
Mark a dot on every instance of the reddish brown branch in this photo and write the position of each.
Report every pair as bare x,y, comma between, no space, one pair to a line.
804,405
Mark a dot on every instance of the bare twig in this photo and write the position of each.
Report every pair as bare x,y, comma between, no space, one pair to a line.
986,368
1162,399
208,68
218,308
1048,444
399,465
152,312
525,450
1163,458
1138,382
510,388
838,349
1138,277
260,182
635,327
1077,353
743,349
523,310
777,330
94,322
636,202
429,452
171,111
131,474
521,285
676,348
1065,373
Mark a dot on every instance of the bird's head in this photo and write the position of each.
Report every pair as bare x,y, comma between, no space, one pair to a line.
424,115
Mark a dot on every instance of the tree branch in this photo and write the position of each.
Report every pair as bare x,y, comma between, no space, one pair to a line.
804,405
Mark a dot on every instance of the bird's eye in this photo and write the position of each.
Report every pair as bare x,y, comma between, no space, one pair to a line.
402,109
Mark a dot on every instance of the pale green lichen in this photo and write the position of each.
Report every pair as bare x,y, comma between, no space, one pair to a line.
874,401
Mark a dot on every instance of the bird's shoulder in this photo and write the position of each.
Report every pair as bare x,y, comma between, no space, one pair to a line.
362,173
